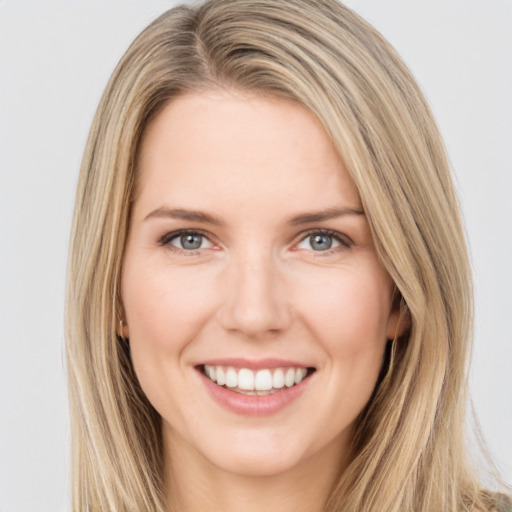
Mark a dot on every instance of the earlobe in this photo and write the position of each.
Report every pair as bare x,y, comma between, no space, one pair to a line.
125,330
122,330
399,320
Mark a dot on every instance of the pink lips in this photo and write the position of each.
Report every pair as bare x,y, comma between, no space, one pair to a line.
253,405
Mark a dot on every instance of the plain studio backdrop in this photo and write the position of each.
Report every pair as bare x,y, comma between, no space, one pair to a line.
55,59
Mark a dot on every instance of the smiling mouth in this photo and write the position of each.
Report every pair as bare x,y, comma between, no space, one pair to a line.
266,381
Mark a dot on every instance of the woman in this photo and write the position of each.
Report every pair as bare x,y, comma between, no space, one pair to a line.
269,300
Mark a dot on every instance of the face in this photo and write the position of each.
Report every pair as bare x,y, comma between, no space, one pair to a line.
256,308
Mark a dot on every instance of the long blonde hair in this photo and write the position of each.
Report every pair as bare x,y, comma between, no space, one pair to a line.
410,442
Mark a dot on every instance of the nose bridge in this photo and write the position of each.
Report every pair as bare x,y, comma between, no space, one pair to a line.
256,300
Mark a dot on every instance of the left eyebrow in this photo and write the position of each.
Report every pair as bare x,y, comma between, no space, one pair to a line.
330,213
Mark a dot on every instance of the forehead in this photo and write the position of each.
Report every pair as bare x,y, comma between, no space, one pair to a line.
219,147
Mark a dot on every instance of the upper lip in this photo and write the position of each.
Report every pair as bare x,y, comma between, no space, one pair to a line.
254,364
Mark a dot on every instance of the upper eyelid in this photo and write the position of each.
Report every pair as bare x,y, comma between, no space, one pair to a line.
179,232
341,237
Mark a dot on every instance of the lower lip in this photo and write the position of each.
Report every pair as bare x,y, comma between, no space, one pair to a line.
254,405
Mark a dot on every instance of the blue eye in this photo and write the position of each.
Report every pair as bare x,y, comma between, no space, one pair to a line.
320,241
186,241
190,241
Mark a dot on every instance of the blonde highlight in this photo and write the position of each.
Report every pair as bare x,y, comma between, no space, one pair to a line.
410,442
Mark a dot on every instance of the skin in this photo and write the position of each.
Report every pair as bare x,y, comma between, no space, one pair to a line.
256,288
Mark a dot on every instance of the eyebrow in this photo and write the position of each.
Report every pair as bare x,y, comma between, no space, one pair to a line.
182,214
206,218
330,213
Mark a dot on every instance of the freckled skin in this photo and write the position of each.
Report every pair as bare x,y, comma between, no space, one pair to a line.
256,287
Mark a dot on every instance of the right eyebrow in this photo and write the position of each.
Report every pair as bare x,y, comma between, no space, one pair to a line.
182,214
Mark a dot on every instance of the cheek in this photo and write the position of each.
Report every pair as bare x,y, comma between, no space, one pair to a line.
347,304
348,315
346,310
165,310
162,303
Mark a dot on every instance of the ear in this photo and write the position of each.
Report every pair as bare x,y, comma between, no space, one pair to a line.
125,330
399,320
122,329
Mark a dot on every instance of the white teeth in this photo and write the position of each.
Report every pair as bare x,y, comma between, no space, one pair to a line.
221,376
289,378
231,378
211,372
278,379
262,382
246,379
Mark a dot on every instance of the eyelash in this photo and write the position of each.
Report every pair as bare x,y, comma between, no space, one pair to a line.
344,241
168,237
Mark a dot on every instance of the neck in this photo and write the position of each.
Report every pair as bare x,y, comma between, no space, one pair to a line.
194,484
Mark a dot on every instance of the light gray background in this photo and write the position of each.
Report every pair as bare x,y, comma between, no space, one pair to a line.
55,58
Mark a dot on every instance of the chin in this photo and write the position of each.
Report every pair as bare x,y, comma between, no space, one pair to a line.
257,463
266,452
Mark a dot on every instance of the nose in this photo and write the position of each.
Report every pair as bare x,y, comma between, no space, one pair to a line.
255,302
